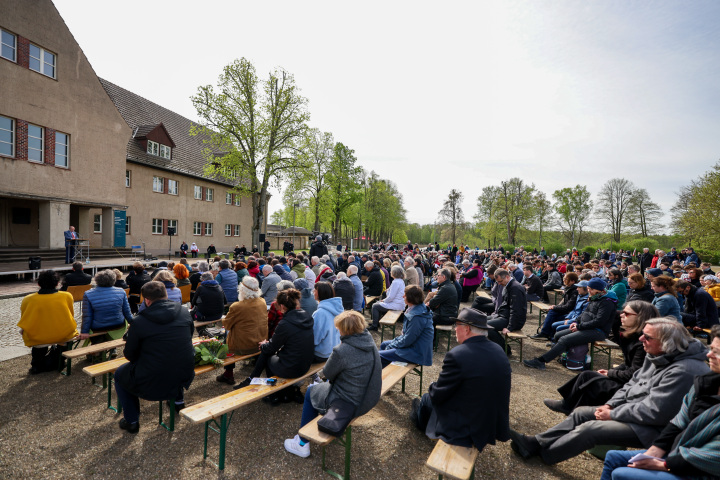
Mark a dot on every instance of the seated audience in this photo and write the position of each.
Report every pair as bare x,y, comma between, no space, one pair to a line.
665,296
700,310
533,285
105,309
560,311
373,286
46,318
353,373
269,289
274,313
227,278
687,446
639,289
443,302
394,298
209,301
119,282
358,298
510,316
471,280
76,277
638,412
307,299
326,335
182,275
344,289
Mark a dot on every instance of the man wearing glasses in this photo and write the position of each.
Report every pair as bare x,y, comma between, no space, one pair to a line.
638,412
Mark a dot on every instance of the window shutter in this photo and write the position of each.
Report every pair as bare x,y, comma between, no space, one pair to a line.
233,198
166,183
202,225
164,226
202,197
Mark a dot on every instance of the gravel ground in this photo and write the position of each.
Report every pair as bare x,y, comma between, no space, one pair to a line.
53,426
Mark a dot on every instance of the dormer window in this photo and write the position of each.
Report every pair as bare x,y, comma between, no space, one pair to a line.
154,148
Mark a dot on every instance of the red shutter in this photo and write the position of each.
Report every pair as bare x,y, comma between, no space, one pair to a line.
166,181
165,226
202,226
233,198
202,196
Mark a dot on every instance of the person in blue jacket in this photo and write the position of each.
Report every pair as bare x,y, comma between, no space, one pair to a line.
415,344
325,333
105,307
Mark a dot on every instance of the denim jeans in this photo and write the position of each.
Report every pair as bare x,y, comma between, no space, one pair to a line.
388,355
550,318
308,411
616,468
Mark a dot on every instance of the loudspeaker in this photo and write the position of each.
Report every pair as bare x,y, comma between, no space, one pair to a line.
262,238
171,232
34,263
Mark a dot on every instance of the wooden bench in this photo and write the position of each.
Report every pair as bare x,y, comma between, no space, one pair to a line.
100,348
368,301
515,337
215,411
209,322
391,375
185,291
704,332
77,291
108,369
602,346
389,320
543,308
440,330
453,461
556,292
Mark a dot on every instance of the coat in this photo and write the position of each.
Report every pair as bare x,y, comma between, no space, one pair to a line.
159,348
345,289
701,304
293,342
644,294
667,305
374,283
415,344
444,303
513,305
358,297
568,303
599,314
354,375
269,287
318,249
47,317
75,278
228,280
247,325
105,308
411,276
471,398
208,301
394,299
654,394
633,355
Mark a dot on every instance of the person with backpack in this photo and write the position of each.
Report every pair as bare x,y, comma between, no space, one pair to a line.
593,325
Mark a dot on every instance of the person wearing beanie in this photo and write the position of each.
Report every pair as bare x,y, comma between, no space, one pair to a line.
307,298
592,325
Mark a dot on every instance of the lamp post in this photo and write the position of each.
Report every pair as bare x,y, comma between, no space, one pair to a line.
295,205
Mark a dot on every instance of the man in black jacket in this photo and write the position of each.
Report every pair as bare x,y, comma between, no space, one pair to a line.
511,314
645,260
700,309
374,283
76,277
533,285
162,358
318,248
444,302
470,402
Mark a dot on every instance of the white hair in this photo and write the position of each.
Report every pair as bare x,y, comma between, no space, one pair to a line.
369,264
352,270
314,260
341,275
249,288
266,268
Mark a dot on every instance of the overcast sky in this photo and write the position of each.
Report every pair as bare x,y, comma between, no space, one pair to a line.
442,95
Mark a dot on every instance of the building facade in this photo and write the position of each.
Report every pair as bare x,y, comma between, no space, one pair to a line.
82,151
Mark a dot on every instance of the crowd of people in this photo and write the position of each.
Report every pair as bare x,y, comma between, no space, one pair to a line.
302,308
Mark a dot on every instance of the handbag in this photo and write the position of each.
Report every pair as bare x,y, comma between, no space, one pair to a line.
341,413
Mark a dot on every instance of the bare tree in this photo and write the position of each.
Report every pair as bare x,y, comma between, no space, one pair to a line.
644,214
452,213
613,201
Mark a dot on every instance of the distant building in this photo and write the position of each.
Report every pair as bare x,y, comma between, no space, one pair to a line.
78,150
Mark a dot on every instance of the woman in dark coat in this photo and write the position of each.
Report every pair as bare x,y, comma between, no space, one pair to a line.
595,388
208,303
639,289
135,280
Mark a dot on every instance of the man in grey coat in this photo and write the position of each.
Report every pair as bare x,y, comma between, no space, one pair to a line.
269,290
637,412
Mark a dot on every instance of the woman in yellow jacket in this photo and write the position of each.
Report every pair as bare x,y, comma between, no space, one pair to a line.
47,318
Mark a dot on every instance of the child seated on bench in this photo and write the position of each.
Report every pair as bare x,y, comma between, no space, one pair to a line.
353,373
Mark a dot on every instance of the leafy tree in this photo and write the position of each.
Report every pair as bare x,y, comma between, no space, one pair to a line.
344,180
252,130
488,216
451,213
573,207
309,181
613,202
516,205
697,212
643,213
543,214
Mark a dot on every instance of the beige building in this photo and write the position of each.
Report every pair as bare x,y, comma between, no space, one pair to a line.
78,150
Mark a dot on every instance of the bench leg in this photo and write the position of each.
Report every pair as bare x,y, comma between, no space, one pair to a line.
420,373
449,335
170,427
68,361
222,429
118,409
346,441
592,356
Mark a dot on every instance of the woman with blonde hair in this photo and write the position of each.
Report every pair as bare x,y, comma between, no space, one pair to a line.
595,388
353,373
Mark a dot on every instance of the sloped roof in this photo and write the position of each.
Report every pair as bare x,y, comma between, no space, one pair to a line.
143,116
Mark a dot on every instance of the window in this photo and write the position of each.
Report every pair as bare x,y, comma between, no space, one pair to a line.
7,136
228,230
172,187
158,184
228,198
8,47
237,230
198,192
152,147
62,149
157,226
97,223
209,194
127,178
127,225
237,200
197,228
35,143
165,152
208,229
42,61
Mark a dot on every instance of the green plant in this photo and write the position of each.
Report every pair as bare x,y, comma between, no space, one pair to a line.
210,352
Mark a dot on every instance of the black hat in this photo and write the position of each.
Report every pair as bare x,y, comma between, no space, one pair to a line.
473,317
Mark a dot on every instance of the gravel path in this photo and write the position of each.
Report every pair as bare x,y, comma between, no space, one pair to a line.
53,426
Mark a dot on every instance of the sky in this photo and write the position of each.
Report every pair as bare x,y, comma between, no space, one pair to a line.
441,95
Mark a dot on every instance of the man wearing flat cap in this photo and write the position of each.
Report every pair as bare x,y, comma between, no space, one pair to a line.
470,402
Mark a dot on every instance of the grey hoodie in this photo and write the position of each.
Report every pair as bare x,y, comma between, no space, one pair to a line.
350,375
654,394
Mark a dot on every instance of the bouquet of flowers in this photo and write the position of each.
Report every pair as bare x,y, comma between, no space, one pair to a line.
210,352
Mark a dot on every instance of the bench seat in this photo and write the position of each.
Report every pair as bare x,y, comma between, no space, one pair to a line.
453,461
516,337
442,330
389,320
542,307
602,346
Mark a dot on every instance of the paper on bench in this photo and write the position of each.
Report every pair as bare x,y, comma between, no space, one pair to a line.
258,381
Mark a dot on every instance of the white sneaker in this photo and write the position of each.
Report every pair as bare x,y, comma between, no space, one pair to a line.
293,446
